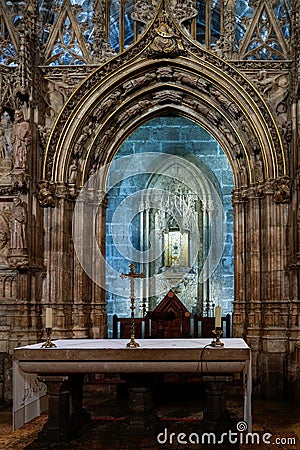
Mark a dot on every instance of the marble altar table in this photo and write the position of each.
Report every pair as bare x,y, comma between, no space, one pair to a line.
63,367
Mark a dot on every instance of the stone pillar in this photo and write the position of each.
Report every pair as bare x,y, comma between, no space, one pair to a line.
142,420
82,287
275,304
216,416
99,315
58,292
66,417
239,313
253,276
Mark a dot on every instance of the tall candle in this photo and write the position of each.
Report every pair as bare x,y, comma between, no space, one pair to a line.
48,317
218,319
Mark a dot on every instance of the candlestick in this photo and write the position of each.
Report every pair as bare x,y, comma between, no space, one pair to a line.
48,343
217,343
218,319
48,318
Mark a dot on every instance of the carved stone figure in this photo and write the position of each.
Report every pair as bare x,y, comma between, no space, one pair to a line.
80,144
164,41
3,144
73,172
258,167
282,192
45,194
18,221
4,240
21,140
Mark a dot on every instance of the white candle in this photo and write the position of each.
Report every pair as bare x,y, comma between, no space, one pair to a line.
48,317
218,319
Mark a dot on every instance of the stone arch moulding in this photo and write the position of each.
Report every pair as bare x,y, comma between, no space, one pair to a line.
140,84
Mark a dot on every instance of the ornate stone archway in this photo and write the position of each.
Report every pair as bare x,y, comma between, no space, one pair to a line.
176,75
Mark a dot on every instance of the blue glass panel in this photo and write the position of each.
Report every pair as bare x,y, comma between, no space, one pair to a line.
200,33
215,23
128,24
115,25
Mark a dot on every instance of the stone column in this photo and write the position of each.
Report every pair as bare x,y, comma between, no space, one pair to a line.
82,284
239,314
58,288
99,315
253,275
66,417
216,416
142,420
275,304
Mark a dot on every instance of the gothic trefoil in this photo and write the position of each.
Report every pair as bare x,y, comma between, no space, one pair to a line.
66,43
264,38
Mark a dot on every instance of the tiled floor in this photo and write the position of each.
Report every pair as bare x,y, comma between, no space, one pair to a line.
278,423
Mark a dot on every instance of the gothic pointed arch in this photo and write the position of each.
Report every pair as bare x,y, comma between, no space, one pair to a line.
153,77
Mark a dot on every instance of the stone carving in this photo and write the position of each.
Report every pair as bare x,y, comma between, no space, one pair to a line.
228,134
73,172
228,104
183,10
43,136
102,48
107,136
21,140
17,253
275,88
82,140
165,41
4,240
143,12
258,167
18,220
282,192
106,105
45,194
136,83
3,144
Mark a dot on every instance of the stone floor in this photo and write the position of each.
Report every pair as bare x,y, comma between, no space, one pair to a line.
276,422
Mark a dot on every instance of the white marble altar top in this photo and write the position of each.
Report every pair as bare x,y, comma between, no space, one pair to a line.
96,344
153,355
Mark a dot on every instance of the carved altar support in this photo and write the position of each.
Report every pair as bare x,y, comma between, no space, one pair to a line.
65,396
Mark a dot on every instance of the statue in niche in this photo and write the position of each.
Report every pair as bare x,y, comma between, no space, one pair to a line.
3,144
258,167
81,143
73,172
21,141
18,221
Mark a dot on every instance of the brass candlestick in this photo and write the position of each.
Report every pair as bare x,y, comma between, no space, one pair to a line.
132,276
48,343
217,343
